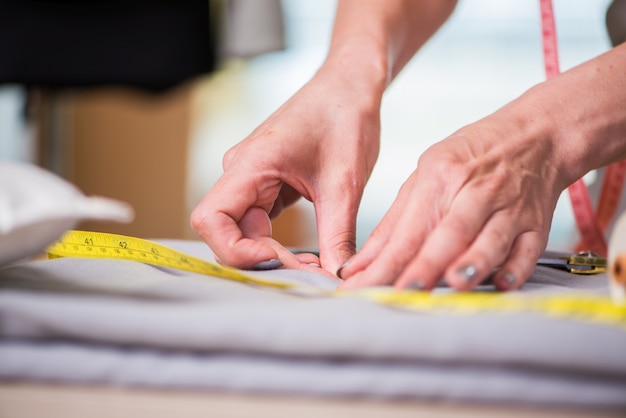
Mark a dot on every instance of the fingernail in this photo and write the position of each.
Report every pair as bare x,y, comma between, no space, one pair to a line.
416,285
507,279
315,265
342,266
297,251
467,273
271,264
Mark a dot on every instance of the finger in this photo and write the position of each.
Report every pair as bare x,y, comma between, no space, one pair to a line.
404,241
521,262
381,235
287,197
312,268
384,269
303,261
450,238
336,209
255,224
372,246
216,219
487,252
309,258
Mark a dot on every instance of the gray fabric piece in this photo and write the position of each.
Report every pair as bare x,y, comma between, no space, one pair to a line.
310,376
120,322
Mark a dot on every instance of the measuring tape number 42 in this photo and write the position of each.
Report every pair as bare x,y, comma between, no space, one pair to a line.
592,227
120,247
112,246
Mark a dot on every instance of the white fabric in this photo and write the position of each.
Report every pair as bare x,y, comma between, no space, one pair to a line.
36,207
125,323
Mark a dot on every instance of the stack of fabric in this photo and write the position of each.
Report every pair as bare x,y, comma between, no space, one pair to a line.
120,322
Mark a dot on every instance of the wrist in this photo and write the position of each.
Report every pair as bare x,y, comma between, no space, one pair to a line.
358,63
581,111
548,121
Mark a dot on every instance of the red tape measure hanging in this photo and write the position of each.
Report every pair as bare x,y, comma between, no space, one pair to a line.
592,226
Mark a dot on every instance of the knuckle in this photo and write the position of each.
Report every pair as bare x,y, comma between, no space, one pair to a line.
499,240
427,269
197,219
522,260
440,167
229,156
486,261
460,227
344,243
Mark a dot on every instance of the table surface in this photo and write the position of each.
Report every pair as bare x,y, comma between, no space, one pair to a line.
26,400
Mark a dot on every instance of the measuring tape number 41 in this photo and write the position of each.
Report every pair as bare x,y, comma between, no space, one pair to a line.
120,247
592,227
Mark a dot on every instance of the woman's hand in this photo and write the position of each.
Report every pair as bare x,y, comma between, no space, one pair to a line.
322,145
480,203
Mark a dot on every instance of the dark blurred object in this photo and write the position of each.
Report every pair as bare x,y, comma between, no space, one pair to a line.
616,21
130,140
153,45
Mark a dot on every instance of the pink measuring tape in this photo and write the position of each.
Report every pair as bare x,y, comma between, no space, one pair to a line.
591,225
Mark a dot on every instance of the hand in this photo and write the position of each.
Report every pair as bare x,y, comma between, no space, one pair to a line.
478,202
322,145
482,200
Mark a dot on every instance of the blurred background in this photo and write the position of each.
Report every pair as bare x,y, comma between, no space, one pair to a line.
161,151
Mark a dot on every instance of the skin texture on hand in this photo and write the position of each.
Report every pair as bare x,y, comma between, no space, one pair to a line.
477,200
481,201
322,144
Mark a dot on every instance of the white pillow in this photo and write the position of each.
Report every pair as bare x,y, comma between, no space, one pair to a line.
37,207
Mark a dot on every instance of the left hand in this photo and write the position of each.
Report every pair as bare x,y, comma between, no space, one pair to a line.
479,202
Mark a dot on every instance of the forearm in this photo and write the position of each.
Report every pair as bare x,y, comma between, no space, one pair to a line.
373,39
582,112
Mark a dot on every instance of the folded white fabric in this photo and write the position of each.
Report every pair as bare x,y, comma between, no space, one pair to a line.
124,323
36,207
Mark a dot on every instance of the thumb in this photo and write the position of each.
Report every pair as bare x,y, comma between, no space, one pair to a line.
336,228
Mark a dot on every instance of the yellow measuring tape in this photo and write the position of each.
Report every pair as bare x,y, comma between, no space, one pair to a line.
103,245
112,246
